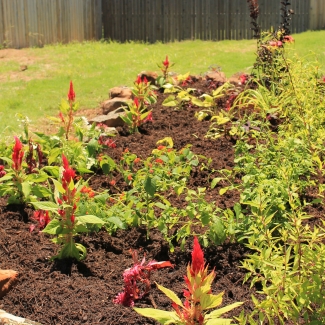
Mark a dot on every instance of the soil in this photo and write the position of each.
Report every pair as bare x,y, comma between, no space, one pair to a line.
68,292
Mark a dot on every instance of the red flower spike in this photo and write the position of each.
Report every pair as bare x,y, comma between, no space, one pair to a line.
136,102
148,118
197,257
138,81
61,117
68,173
71,93
166,62
17,154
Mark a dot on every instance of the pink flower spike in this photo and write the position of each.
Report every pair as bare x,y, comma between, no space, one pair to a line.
71,93
197,257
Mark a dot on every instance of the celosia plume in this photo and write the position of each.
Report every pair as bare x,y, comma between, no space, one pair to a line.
166,62
71,93
68,173
197,257
17,154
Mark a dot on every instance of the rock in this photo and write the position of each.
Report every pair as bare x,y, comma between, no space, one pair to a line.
216,76
113,104
112,119
121,92
151,76
7,279
8,319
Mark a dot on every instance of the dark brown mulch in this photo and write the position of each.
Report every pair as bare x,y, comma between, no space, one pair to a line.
69,292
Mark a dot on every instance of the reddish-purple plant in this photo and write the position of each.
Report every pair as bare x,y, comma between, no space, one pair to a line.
138,274
42,218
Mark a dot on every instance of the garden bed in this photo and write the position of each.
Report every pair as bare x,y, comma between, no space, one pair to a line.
70,292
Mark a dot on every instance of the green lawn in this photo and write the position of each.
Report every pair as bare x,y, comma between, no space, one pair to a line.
95,67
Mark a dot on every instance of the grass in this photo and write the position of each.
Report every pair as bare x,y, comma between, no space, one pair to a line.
95,67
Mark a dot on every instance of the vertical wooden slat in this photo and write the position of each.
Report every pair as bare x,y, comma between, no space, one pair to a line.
2,26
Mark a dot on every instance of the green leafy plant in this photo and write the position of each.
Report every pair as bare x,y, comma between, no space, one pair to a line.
198,298
65,223
23,180
165,69
137,112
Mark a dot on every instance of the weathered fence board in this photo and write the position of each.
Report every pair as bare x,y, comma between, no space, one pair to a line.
169,20
25,23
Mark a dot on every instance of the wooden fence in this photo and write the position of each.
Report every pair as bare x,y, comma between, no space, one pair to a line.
25,23
169,20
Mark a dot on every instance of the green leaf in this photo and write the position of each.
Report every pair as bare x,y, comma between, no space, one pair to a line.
90,219
150,185
215,181
168,141
54,153
170,101
58,186
47,206
117,222
52,170
219,312
53,227
220,321
223,190
83,170
170,294
37,178
26,189
162,316
209,301
41,191
92,147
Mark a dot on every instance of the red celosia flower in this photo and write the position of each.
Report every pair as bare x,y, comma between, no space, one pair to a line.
136,160
197,257
275,43
288,39
243,79
145,81
112,182
137,273
68,173
110,143
130,177
17,154
138,80
71,93
2,171
61,117
136,102
42,217
159,161
148,118
166,62
161,147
